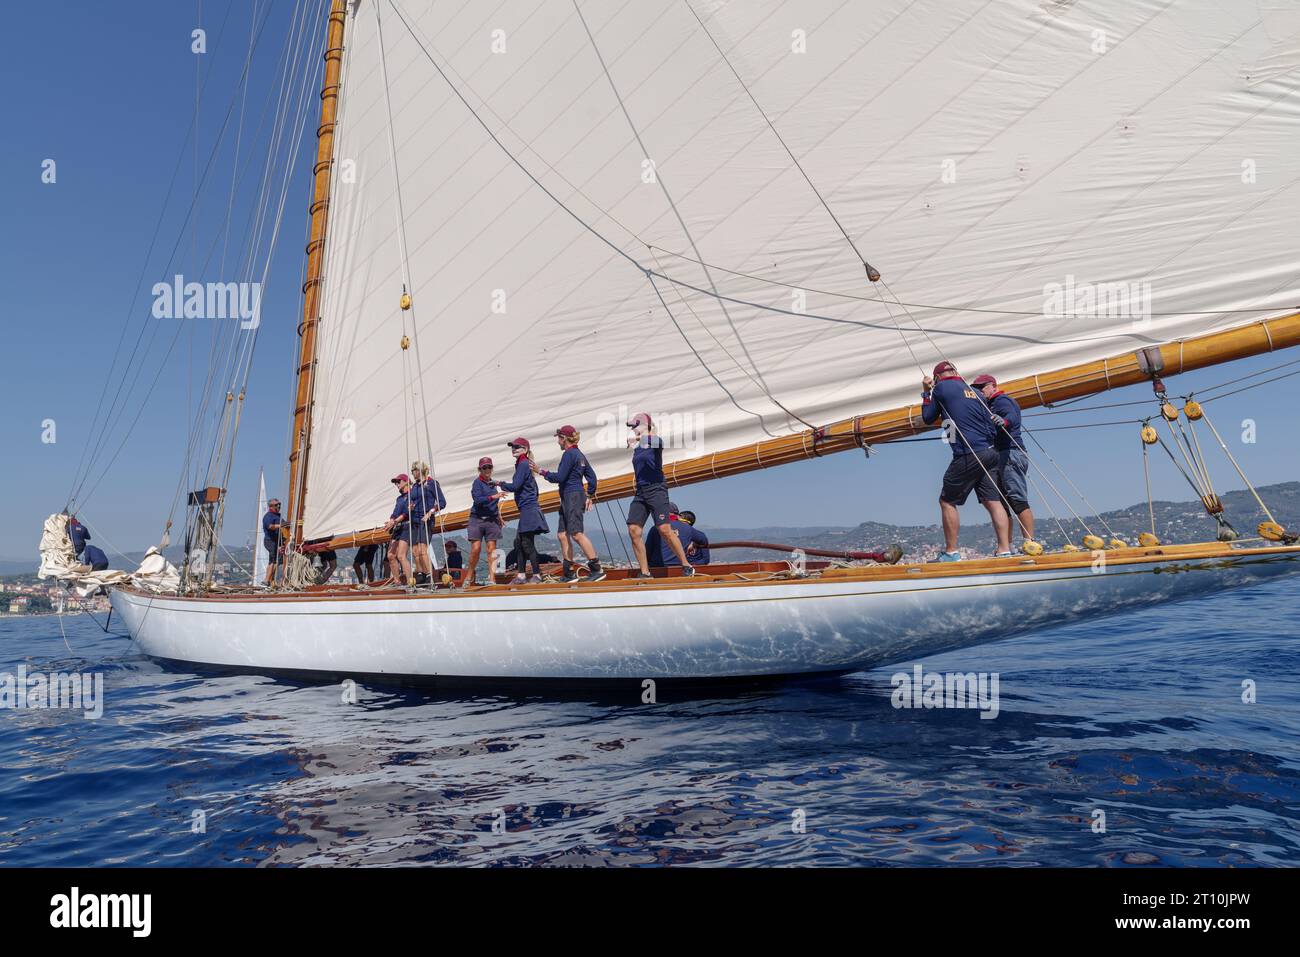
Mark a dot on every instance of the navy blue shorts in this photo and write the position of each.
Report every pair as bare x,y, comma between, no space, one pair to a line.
573,505
651,501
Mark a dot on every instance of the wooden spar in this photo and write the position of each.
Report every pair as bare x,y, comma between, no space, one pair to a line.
1072,382
319,209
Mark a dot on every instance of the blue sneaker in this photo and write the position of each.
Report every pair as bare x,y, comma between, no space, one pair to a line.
949,556
1003,555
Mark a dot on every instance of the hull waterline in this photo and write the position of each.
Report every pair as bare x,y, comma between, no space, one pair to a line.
718,631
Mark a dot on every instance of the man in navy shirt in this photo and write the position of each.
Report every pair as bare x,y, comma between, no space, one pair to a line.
575,499
271,537
79,535
659,552
95,558
968,427
651,499
1013,461
698,553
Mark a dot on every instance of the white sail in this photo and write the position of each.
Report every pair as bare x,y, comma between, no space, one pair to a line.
1013,157
260,558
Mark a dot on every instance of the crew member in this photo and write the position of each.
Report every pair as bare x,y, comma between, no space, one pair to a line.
271,538
363,564
1013,462
426,500
455,560
531,520
399,524
651,499
79,535
95,558
969,429
660,554
484,520
698,553
575,500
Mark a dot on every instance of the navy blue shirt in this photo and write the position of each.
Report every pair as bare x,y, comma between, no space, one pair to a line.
272,534
95,558
574,467
701,556
661,555
400,511
648,461
1009,409
79,535
485,507
954,400
524,487
426,498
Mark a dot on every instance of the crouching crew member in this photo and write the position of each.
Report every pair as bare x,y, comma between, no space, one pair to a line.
575,500
531,520
660,554
363,563
484,520
698,553
1013,461
651,499
95,558
970,431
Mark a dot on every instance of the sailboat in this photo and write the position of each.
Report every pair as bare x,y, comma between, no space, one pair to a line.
758,222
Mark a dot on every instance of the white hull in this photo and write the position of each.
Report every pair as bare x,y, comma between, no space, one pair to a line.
724,630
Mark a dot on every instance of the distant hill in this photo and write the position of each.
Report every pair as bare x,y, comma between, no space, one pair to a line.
1175,522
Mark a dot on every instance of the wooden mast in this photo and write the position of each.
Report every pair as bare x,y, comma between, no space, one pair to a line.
319,210
1072,382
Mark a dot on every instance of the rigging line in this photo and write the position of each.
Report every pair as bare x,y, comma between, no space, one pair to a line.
408,290
1066,475
663,187
293,42
1247,388
1223,445
935,307
100,443
84,466
538,183
775,132
1146,472
140,412
690,345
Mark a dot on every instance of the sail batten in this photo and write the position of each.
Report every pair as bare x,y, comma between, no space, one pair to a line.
978,155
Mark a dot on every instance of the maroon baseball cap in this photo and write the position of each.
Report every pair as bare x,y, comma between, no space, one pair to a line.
641,418
485,463
980,381
520,443
567,431
944,368
398,480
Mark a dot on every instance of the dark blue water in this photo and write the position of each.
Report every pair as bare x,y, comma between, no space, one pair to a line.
1140,717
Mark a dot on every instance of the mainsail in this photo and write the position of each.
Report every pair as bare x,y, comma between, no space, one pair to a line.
597,210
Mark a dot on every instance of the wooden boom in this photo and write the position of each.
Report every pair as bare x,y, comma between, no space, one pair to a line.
302,406
1072,382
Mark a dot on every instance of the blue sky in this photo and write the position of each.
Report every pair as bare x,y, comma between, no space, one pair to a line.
108,92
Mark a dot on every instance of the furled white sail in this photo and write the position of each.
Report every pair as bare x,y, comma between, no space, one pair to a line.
1010,156
260,556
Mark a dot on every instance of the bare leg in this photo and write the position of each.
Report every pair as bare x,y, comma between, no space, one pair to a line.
951,524
584,543
638,547
1001,525
1027,522
566,546
475,548
403,560
670,536
491,561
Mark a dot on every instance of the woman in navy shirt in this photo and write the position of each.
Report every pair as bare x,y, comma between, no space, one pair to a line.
531,520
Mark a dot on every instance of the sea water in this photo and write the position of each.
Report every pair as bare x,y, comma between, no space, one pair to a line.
1166,737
